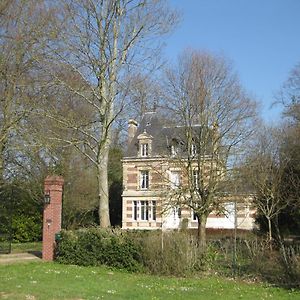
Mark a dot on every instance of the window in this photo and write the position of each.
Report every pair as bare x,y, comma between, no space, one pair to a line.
174,150
144,210
193,149
175,180
144,180
196,179
135,210
153,210
176,212
230,211
144,150
194,216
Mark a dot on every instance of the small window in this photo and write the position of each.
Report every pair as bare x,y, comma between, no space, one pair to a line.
196,179
153,210
135,210
176,213
144,150
175,179
193,149
144,180
174,150
194,216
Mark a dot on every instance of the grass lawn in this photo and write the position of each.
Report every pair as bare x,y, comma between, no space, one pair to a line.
38,280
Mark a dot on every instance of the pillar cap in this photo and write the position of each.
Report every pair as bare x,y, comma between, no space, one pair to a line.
54,180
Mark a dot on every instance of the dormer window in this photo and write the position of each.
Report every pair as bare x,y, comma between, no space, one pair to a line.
174,150
144,149
145,144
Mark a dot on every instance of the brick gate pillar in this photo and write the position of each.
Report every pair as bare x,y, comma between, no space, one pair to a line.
53,187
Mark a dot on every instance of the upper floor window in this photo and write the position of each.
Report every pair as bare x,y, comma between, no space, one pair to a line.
144,149
196,178
144,180
174,180
193,149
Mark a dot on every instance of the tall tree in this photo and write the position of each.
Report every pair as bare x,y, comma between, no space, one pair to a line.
265,172
206,98
290,148
101,41
25,27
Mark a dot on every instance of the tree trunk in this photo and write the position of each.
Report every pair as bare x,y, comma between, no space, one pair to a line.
103,196
270,233
2,159
202,231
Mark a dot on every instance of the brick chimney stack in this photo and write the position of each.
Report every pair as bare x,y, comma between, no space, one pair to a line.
132,128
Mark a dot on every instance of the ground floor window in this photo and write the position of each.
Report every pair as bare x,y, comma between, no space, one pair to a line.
176,212
194,216
144,210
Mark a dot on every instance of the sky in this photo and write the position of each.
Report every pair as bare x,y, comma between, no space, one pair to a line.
260,37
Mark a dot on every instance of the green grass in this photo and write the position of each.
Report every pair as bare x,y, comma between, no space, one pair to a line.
25,247
54,281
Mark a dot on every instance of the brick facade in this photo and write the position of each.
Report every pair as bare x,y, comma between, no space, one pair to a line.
148,181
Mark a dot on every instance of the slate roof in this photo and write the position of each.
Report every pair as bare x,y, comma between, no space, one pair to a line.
163,137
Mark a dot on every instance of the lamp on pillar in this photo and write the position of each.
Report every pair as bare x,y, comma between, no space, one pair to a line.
47,198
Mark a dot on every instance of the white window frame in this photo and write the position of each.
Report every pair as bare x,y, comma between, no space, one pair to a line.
176,212
193,149
196,178
144,147
144,210
174,150
144,180
174,179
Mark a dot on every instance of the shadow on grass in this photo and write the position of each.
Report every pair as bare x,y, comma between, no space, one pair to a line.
36,253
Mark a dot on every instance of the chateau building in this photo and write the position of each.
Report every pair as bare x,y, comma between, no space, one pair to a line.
151,174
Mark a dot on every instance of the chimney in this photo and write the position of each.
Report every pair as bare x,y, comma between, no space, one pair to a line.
132,128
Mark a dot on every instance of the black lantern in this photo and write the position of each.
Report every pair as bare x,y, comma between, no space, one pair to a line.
47,198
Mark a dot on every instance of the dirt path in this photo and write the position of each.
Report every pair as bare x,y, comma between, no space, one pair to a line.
19,257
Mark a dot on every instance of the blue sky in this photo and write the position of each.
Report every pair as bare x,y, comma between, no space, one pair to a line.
261,37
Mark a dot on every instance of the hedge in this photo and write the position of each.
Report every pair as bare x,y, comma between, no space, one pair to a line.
95,246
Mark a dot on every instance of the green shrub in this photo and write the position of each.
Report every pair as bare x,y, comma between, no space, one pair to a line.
94,246
26,228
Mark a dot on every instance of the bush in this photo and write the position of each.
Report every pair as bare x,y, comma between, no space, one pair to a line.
26,229
169,253
94,247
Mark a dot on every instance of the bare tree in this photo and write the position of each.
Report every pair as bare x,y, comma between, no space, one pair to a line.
24,30
289,95
265,172
205,97
101,41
